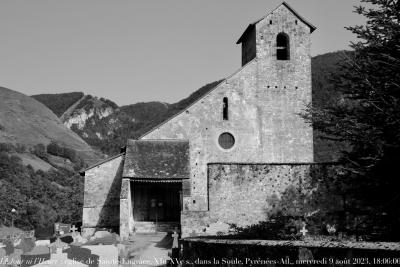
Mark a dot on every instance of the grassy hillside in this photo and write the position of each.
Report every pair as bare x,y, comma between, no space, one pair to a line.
59,103
27,122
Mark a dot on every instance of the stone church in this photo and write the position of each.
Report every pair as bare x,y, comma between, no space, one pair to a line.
226,158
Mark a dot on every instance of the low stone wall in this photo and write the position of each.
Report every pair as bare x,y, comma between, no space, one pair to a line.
222,252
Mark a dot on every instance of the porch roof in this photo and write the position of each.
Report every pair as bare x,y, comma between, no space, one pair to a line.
157,159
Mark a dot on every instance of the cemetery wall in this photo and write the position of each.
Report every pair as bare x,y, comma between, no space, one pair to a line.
217,252
245,194
102,196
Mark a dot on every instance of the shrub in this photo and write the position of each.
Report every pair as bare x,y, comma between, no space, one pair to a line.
279,227
40,151
20,148
7,147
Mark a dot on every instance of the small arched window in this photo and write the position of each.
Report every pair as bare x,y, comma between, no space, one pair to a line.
282,47
225,109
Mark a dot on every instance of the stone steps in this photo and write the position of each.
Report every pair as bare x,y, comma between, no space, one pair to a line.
152,227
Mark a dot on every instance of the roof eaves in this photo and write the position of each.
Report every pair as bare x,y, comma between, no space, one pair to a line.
245,33
312,27
82,172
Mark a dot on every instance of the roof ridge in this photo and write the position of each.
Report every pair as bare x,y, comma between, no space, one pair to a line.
313,28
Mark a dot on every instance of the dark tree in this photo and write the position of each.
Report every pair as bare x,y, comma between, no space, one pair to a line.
368,116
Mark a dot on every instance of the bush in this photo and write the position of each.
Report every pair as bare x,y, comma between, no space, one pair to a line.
39,150
7,147
279,227
55,149
20,148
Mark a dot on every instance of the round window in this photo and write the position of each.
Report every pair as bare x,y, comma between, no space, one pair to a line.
226,140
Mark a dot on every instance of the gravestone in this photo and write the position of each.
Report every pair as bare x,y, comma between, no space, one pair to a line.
57,245
42,242
66,239
60,259
83,255
108,254
73,230
175,247
78,240
304,231
39,250
3,255
30,234
62,228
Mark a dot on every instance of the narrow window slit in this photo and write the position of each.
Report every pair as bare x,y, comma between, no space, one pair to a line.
225,109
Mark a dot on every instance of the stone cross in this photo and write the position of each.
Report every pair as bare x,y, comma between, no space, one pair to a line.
175,243
73,229
304,231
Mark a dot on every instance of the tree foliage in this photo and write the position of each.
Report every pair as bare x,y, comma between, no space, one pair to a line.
59,103
368,115
40,198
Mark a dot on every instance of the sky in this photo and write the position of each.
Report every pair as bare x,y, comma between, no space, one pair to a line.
133,51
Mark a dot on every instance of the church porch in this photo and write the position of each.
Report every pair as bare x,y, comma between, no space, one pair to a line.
156,205
151,190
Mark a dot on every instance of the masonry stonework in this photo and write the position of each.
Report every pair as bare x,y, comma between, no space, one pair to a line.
102,196
245,194
265,98
126,223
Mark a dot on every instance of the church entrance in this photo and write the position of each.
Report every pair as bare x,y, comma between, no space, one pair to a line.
157,202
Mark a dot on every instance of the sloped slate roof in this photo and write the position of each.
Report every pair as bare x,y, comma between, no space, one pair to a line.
312,27
157,159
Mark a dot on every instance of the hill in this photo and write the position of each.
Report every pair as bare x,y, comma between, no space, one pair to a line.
59,103
25,121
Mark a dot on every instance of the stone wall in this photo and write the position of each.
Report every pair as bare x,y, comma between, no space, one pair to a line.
249,45
223,252
126,210
265,98
245,194
102,196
